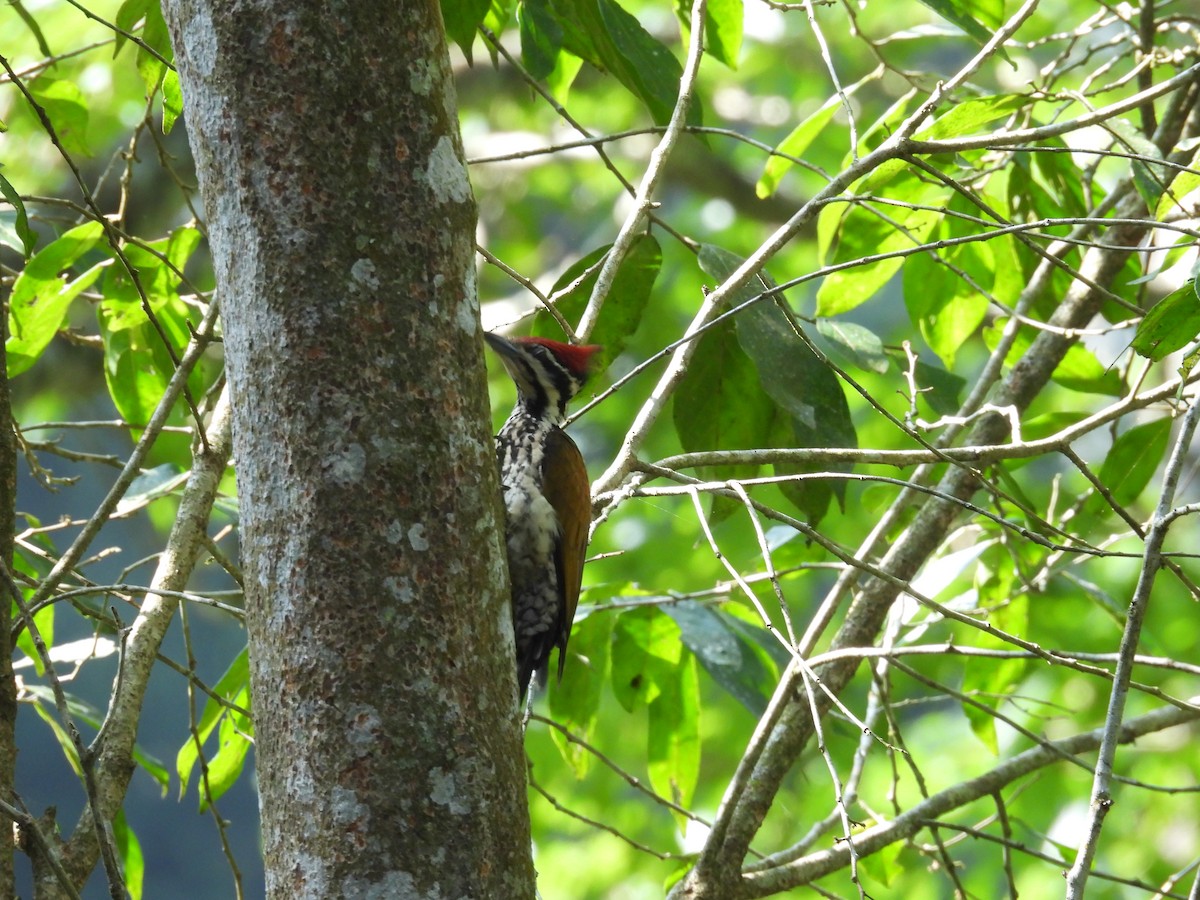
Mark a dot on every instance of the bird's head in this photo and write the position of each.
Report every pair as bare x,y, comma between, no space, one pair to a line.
547,373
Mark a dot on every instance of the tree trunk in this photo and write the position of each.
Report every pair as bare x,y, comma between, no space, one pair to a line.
342,225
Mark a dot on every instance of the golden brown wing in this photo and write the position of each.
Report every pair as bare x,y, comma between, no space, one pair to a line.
565,484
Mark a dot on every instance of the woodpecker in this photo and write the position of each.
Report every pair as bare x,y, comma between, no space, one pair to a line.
547,498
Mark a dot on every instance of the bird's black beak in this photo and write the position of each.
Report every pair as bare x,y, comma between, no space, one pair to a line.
502,346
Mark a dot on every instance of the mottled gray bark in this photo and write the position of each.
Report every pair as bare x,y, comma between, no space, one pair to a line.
342,228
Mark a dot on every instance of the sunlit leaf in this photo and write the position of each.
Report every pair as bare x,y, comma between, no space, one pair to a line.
971,115
233,744
67,108
1182,186
723,21
794,146
1079,369
1171,325
40,297
863,233
673,736
234,686
172,98
943,291
575,701
129,850
26,236
977,18
646,651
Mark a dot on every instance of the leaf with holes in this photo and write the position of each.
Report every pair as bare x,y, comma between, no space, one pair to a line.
646,651
575,701
673,735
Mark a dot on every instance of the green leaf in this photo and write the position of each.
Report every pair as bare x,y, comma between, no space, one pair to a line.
794,146
234,686
1171,325
977,18
1181,186
991,681
604,34
624,307
803,389
884,865
1132,462
43,620
129,850
67,108
1045,184
859,345
128,15
137,362
862,233
673,736
60,733
945,388
559,82
646,651
32,24
40,298
946,307
541,37
26,234
723,653
575,701
462,18
82,711
720,405
1148,179
971,115
802,386
233,743
723,20
161,481
172,100
155,37
1079,369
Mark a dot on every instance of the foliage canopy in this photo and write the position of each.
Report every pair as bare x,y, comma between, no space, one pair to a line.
895,478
